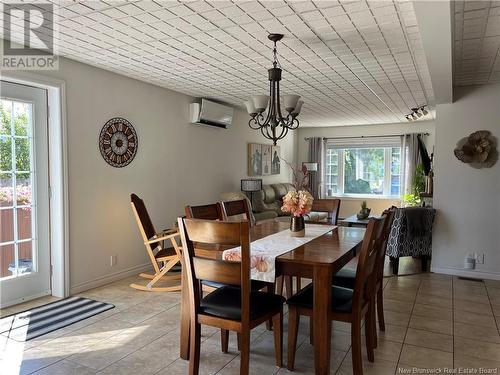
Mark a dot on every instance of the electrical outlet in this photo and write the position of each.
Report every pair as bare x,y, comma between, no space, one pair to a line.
114,260
480,258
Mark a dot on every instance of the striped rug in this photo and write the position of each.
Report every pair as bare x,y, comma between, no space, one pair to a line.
36,322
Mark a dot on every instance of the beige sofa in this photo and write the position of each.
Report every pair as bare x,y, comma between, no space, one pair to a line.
266,203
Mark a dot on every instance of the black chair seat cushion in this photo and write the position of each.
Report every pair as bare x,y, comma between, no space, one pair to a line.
225,303
345,278
341,298
256,284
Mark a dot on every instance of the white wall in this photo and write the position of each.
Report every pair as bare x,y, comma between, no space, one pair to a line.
177,163
350,206
467,199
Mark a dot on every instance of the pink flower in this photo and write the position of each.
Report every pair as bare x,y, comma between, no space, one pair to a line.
298,203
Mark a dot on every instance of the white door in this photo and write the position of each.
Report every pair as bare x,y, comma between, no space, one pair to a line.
24,194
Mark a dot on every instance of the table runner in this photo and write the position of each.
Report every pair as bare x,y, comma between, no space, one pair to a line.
264,251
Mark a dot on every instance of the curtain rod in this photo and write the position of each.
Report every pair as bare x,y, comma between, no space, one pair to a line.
367,136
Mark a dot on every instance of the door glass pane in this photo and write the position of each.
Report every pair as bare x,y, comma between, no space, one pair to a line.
25,258
7,261
23,155
24,223
22,117
5,153
16,234
5,114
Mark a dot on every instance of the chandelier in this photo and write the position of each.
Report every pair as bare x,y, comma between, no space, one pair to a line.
272,124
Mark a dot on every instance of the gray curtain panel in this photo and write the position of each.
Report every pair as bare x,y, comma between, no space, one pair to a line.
316,156
409,150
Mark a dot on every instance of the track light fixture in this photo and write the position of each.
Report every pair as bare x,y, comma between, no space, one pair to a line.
416,113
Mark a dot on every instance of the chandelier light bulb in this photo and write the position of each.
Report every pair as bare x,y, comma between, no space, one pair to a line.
260,102
290,102
424,111
250,108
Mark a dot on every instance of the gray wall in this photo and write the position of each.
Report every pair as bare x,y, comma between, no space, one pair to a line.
177,164
467,199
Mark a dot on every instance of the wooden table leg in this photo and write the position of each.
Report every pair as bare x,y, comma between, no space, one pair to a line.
185,319
322,324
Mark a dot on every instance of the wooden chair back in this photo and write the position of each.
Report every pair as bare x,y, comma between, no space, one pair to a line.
215,234
206,212
236,210
332,206
365,280
144,222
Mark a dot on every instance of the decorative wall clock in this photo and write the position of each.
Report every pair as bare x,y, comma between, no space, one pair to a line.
118,142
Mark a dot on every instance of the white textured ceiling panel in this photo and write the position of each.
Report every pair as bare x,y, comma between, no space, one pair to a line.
353,62
477,42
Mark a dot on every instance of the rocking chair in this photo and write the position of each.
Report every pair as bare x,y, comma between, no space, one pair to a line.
168,258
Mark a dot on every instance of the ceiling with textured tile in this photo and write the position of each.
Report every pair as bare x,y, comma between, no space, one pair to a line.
353,62
477,42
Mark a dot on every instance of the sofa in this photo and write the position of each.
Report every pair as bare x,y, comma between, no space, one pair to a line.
266,204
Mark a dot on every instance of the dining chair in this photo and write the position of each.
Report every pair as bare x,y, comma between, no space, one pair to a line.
207,212
236,210
215,211
234,307
346,277
163,259
348,305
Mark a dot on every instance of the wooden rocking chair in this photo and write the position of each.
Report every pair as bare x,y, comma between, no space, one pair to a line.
158,254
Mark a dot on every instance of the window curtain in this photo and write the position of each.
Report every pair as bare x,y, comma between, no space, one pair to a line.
316,146
411,158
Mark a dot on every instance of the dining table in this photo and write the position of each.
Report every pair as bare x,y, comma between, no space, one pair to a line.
317,259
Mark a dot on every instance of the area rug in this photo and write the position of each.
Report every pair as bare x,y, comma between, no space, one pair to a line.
41,320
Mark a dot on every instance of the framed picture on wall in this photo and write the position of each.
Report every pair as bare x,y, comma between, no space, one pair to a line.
266,159
254,159
263,160
275,160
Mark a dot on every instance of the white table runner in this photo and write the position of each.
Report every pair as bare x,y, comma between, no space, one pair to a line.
264,251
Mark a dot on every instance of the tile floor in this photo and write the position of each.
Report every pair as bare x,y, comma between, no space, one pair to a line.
432,321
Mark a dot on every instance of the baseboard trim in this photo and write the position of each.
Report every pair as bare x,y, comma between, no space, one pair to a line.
100,281
466,273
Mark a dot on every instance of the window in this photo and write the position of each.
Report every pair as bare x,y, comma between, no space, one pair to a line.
363,169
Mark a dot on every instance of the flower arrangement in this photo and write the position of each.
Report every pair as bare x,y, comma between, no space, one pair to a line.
298,203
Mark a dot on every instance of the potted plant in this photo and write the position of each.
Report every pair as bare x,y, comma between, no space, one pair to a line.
365,211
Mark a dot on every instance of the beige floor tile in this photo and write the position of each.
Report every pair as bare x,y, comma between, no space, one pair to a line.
102,355
387,350
395,318
426,299
424,357
474,307
465,361
475,348
404,296
397,306
475,332
435,292
431,311
492,283
427,339
379,367
392,333
469,297
474,319
433,325
65,368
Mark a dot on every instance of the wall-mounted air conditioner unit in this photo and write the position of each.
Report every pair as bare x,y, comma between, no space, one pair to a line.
211,114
